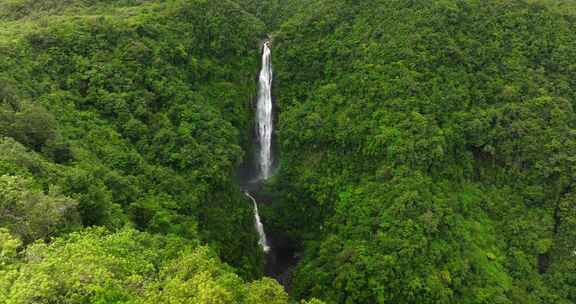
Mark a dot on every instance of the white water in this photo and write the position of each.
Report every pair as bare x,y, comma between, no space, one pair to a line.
259,226
264,118
264,128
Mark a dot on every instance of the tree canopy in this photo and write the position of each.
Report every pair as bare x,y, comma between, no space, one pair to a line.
427,150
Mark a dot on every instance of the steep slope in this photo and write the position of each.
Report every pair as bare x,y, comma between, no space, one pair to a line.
127,114
140,109
428,150
273,12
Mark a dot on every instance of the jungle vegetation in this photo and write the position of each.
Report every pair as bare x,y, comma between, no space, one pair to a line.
428,150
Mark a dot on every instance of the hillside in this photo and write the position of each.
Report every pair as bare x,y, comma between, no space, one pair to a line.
126,114
422,151
429,150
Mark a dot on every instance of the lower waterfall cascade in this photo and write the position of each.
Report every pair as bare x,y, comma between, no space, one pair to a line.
262,241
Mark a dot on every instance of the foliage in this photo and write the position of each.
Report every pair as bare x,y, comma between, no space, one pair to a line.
428,150
33,126
274,12
139,108
129,267
31,214
9,246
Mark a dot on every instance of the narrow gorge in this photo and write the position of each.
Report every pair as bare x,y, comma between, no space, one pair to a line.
280,259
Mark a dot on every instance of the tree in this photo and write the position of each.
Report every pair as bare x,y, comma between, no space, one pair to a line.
9,246
34,127
30,214
96,266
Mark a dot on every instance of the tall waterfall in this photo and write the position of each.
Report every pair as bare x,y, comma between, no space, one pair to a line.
264,128
259,226
264,118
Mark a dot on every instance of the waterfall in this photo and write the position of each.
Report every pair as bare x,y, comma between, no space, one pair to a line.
259,226
264,118
264,128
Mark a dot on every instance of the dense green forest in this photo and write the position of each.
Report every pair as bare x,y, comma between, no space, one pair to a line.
427,150
127,115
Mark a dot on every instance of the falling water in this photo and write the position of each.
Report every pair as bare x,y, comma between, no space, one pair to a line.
264,119
280,252
259,226
264,127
